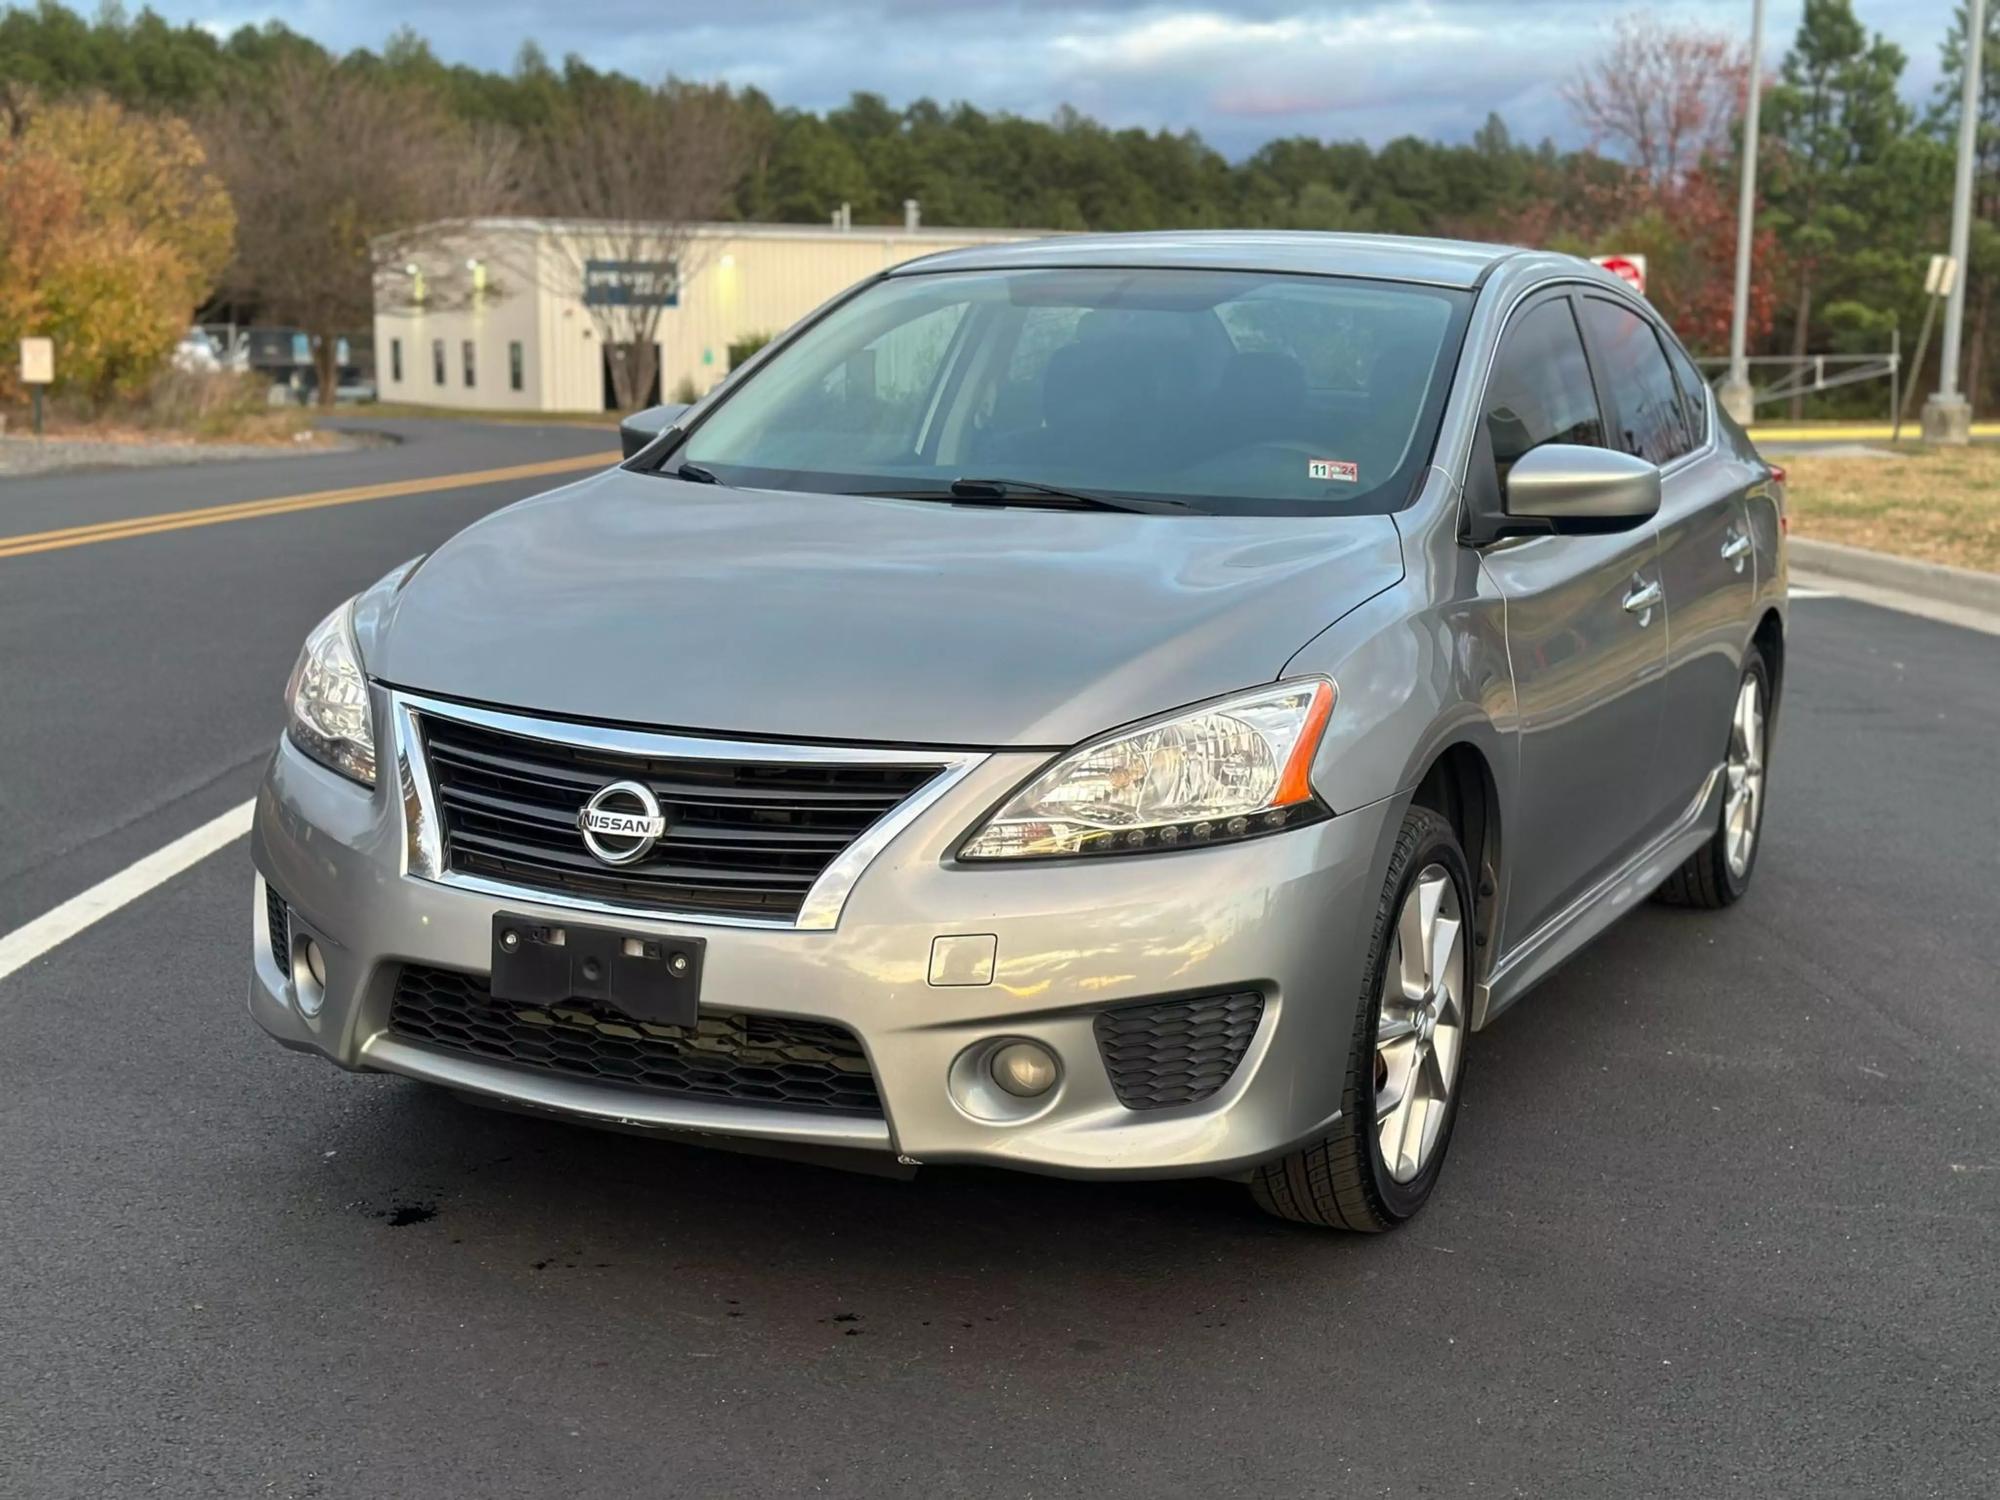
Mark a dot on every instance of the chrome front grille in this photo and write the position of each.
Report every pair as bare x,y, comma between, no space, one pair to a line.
746,838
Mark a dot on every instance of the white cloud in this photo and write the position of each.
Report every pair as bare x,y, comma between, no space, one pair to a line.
1239,71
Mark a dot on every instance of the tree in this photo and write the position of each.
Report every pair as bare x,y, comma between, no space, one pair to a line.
1835,122
148,173
332,168
112,228
1687,232
631,173
1668,95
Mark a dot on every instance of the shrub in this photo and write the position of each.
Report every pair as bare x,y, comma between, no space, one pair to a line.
741,349
215,404
112,230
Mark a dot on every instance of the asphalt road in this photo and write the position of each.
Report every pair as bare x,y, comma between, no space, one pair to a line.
1722,1216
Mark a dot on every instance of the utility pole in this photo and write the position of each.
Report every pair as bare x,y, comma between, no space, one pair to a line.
1735,390
1938,282
1948,415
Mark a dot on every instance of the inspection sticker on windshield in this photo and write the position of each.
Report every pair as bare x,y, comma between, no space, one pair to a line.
1337,470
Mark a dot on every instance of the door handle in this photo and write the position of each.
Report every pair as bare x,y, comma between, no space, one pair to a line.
1641,600
1735,546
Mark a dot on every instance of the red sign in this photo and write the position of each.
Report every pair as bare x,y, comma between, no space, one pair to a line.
1630,269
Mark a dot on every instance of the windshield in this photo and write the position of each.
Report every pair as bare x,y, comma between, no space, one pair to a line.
1218,390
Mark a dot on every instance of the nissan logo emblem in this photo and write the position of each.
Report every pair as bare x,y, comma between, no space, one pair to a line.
622,822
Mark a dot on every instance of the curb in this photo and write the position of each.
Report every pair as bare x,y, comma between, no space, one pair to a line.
1927,580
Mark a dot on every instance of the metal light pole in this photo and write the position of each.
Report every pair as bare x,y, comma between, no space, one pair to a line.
1948,415
1735,391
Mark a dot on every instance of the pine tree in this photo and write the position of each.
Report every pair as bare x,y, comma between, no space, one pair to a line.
1835,120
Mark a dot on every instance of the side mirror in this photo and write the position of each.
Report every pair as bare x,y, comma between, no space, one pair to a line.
639,429
1560,487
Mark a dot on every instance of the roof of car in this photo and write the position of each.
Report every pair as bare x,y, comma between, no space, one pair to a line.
1384,256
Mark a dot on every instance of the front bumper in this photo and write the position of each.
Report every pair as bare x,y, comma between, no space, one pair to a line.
1287,915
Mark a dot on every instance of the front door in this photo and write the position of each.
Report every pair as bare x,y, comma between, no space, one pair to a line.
1586,635
1706,563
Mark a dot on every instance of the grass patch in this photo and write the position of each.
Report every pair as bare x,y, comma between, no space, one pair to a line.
1937,504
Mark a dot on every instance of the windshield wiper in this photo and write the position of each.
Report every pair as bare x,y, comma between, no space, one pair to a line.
1008,489
1030,492
696,474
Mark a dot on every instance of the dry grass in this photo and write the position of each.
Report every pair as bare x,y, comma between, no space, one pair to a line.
215,408
177,407
1938,504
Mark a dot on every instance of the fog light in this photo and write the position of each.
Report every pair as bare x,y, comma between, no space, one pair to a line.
1024,1069
316,962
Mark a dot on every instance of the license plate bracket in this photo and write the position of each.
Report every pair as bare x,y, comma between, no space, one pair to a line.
640,975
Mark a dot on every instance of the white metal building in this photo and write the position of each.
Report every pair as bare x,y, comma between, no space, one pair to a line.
496,335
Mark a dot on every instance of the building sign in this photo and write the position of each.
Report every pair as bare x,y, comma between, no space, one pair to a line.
631,283
1630,269
38,361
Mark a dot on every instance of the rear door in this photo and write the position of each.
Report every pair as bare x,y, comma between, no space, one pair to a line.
1705,561
1586,635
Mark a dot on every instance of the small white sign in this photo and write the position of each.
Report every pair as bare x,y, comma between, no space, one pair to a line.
38,361
1939,278
1336,470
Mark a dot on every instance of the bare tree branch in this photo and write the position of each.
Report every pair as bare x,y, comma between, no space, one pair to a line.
629,177
330,167
1669,96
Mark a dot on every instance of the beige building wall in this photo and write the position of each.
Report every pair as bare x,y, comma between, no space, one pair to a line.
744,279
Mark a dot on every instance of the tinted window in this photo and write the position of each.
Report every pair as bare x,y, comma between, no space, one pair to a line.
1223,390
1694,392
1652,421
514,381
396,360
1540,391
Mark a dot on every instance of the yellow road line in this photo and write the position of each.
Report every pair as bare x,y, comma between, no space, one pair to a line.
1851,431
246,510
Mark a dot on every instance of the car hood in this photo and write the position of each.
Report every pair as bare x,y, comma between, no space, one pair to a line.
639,599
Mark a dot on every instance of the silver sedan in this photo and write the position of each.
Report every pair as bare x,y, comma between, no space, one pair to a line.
1124,706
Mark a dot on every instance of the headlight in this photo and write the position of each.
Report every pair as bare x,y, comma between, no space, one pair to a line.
327,701
1225,771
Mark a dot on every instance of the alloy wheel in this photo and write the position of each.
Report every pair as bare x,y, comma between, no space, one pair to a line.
1744,801
1420,1038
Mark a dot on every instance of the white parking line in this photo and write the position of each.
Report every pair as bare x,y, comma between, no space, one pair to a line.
1799,593
24,945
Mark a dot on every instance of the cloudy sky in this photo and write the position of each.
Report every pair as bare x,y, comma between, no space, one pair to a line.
1239,71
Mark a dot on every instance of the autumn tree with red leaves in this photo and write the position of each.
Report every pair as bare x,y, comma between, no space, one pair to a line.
1671,100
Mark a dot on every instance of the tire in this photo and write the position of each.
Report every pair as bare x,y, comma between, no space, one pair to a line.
1341,1181
1718,873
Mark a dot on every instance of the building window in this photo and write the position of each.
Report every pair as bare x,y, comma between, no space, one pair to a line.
465,353
437,361
396,361
515,381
